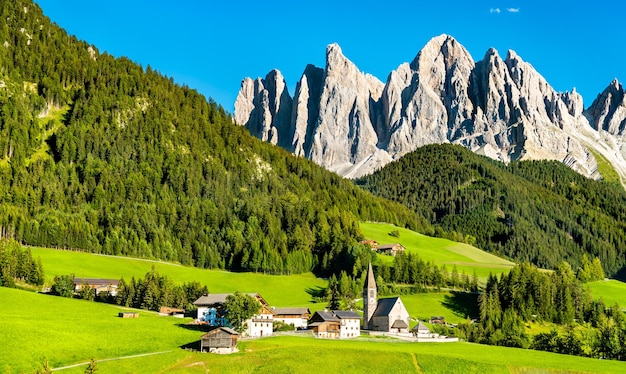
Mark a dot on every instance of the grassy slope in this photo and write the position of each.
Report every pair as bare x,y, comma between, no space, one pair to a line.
440,251
278,290
611,291
34,327
302,354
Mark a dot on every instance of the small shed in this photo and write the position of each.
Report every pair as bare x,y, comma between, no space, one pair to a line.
128,315
421,331
219,339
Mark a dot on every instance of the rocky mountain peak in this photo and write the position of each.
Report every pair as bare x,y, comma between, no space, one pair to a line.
336,62
350,122
608,111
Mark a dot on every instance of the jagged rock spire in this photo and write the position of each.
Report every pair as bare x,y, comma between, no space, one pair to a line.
349,122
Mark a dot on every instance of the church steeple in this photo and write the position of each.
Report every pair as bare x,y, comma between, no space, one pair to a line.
369,298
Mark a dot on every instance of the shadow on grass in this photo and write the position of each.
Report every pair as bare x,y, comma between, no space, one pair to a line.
463,304
199,328
317,293
193,346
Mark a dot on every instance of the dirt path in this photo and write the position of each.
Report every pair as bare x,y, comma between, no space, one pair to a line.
417,367
111,359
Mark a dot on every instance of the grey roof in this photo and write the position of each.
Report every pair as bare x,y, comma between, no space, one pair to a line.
384,306
346,314
399,324
97,281
291,311
420,327
325,316
217,298
389,246
224,328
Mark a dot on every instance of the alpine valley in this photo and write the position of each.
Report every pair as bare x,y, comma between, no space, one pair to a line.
352,123
125,194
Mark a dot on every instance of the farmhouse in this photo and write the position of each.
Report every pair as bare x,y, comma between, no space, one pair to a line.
211,311
439,320
219,339
97,284
298,317
335,324
390,249
387,314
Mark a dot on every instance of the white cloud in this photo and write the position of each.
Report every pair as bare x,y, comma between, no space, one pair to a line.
512,10
494,10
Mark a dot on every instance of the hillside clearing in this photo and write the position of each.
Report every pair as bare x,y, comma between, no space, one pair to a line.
440,251
278,290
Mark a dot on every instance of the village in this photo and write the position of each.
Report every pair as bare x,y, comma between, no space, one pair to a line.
381,317
386,317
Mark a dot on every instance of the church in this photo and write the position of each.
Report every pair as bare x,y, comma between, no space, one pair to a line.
387,314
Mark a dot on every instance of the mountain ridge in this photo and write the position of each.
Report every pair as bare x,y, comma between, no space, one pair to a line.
502,108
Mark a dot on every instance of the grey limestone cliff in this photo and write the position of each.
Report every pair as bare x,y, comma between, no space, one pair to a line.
350,122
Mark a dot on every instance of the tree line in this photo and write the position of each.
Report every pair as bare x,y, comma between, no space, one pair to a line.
150,293
587,327
529,211
17,265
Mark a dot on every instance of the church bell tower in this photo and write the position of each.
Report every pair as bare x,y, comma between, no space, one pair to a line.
369,298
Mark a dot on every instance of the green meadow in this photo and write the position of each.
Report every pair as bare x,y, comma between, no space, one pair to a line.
455,307
610,291
304,354
278,290
440,251
35,327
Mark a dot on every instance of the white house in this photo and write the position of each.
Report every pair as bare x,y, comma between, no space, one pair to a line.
211,311
298,317
350,323
335,324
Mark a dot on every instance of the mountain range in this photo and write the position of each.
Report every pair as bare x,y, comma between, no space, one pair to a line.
352,123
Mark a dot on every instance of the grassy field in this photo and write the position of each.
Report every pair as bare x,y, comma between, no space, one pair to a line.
456,308
35,327
441,251
610,291
278,290
290,354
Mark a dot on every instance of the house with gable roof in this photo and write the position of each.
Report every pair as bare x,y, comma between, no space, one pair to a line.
386,314
335,324
211,311
298,317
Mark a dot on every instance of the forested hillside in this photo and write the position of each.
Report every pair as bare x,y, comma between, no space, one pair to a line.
100,154
536,211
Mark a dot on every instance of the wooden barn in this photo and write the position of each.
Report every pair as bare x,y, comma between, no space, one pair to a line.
219,339
390,249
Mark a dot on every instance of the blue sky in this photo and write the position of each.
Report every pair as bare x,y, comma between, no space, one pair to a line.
212,45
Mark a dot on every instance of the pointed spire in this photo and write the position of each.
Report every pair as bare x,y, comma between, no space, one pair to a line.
370,282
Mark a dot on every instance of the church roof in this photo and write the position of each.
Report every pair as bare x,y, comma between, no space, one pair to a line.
370,282
384,306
